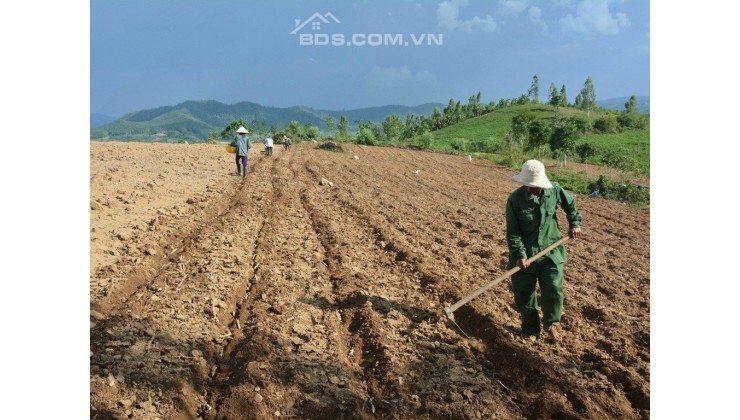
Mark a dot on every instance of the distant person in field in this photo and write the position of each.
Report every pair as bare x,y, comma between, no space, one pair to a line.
268,145
531,226
286,143
243,145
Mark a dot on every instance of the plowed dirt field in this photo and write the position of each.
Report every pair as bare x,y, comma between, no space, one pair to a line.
278,297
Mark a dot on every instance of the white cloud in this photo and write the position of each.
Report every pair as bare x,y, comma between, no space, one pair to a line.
447,18
562,3
535,15
511,7
594,16
402,77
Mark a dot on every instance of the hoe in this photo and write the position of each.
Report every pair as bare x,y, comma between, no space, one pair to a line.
450,309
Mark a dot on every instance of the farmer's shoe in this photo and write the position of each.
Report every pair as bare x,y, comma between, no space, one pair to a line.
552,332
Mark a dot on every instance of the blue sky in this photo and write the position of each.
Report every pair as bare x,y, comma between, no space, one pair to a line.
145,54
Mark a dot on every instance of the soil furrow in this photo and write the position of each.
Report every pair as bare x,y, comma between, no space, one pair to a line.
283,297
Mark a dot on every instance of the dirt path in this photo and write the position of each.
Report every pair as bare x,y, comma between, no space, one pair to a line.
279,297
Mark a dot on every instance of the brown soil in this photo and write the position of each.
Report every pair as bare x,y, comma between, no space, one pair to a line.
280,297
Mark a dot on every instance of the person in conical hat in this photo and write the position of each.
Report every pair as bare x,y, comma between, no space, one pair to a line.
531,226
243,144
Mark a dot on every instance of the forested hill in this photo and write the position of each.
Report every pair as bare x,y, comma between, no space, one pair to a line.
194,120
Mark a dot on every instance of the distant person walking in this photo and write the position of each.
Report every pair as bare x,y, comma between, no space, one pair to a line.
286,143
531,226
268,145
243,144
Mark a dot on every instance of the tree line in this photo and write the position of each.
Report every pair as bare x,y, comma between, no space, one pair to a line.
399,129
395,128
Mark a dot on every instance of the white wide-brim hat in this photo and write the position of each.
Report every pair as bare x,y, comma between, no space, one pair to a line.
533,175
242,130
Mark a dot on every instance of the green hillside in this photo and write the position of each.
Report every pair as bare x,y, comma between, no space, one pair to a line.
631,144
194,120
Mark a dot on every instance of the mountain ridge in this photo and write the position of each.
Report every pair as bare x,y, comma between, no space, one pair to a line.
196,119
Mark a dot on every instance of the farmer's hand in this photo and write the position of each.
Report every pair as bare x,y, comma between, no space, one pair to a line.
574,232
522,263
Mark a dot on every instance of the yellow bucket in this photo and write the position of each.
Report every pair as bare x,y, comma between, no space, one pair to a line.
231,149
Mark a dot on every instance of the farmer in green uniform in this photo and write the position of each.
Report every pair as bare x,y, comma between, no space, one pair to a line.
531,226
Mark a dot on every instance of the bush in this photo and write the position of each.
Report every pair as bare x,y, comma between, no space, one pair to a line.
458,144
633,120
603,185
619,161
310,132
624,191
582,124
635,195
425,140
607,124
366,136
331,146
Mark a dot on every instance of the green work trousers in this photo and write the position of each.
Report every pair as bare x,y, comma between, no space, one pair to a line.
524,283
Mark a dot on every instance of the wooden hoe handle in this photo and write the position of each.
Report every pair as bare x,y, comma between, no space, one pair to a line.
450,309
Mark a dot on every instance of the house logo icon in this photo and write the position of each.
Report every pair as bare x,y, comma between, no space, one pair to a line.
315,21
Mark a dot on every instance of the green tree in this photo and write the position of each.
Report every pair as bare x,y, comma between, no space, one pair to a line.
452,112
588,96
343,128
564,139
366,136
554,98
230,130
631,105
330,124
579,101
294,129
310,131
521,100
585,151
534,90
520,126
392,127
538,136
563,96
437,120
474,107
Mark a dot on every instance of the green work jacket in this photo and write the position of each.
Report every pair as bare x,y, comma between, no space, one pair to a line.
531,223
